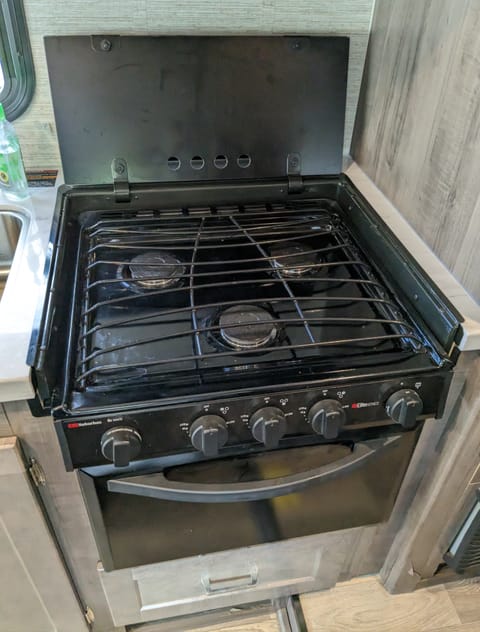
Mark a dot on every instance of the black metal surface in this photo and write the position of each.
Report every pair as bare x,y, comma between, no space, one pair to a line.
168,428
134,530
420,294
160,487
196,108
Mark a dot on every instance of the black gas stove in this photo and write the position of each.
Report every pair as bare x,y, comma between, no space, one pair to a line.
227,320
228,328
231,313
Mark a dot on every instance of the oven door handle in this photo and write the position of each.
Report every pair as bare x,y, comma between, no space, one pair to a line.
158,486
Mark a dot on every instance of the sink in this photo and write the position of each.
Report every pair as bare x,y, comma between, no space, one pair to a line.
12,224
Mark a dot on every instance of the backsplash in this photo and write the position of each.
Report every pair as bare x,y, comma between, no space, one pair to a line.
36,126
418,129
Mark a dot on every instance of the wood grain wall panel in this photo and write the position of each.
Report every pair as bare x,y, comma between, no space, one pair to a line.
417,133
36,127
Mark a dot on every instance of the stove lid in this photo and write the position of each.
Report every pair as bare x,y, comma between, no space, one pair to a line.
166,109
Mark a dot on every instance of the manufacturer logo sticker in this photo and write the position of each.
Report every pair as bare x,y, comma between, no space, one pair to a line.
83,424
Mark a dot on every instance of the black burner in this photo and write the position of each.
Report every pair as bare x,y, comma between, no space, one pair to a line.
247,327
293,258
153,270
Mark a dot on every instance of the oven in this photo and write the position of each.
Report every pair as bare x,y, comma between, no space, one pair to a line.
172,508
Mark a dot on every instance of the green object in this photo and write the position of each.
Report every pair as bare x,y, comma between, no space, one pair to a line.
13,182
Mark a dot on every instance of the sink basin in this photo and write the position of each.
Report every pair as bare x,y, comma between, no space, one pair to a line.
11,225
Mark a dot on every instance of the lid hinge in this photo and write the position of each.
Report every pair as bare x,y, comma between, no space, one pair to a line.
294,176
121,186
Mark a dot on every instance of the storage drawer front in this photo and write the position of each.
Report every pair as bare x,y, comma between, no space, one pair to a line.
225,579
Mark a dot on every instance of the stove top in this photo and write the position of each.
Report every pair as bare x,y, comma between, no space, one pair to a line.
178,298
209,298
233,324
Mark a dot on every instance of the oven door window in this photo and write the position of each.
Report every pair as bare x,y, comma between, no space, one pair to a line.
136,529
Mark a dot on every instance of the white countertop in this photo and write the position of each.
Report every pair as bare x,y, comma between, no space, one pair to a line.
23,291
26,284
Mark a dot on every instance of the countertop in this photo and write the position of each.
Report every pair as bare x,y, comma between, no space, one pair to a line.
26,284
23,291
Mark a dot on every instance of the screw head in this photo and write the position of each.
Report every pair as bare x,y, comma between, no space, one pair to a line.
105,45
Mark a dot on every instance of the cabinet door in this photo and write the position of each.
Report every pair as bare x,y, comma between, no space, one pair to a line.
36,593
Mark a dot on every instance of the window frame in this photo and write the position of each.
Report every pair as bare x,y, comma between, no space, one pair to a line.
16,59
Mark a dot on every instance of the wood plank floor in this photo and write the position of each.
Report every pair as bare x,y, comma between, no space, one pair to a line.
362,605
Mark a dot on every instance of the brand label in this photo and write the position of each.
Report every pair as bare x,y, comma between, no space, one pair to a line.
364,404
82,424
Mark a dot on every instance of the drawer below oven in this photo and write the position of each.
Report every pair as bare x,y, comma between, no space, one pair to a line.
228,578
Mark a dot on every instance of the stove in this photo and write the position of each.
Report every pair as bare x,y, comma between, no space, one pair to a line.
220,293
233,323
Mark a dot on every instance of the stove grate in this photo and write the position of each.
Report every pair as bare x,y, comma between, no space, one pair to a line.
337,307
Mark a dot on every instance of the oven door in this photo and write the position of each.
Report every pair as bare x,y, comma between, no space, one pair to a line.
181,510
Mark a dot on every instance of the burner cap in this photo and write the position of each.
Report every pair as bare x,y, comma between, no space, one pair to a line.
293,258
155,270
247,327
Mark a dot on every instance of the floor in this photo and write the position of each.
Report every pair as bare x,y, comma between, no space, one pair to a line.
362,605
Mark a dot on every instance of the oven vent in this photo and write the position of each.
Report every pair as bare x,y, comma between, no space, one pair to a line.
464,552
221,161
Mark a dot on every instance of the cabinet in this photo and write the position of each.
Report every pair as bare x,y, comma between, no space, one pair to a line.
36,592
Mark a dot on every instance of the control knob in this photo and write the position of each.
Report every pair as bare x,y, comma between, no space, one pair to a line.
327,417
268,425
121,445
404,406
208,434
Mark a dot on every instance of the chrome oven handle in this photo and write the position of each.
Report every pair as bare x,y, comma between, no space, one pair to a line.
158,486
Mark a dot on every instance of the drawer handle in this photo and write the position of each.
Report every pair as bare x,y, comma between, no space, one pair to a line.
223,584
158,486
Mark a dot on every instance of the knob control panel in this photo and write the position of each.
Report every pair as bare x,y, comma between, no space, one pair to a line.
268,425
249,421
208,434
327,418
121,445
404,406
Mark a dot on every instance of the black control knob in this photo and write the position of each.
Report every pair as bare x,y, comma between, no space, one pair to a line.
208,433
404,406
327,417
121,445
268,425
